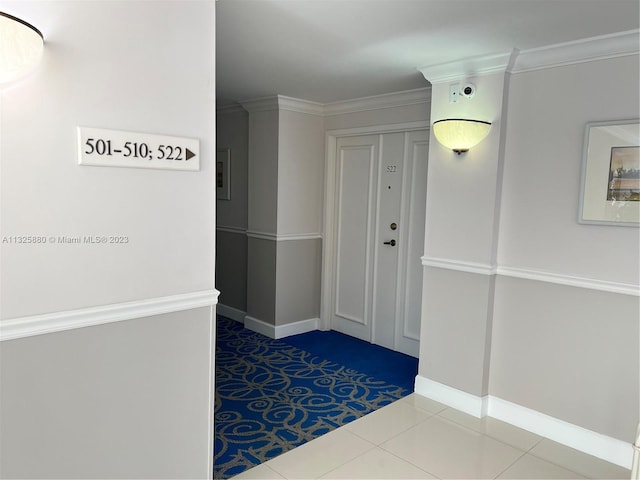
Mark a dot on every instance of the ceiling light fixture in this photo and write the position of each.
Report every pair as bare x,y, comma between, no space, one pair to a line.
21,46
459,134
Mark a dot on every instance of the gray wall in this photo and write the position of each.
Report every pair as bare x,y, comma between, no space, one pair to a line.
232,132
122,400
130,397
298,280
544,152
231,268
455,317
286,179
261,279
569,352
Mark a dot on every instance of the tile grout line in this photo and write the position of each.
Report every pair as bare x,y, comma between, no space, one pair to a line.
558,465
512,464
343,464
409,462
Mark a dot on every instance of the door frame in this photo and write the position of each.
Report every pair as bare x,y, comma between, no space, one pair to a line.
330,217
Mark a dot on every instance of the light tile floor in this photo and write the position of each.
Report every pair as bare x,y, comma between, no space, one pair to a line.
419,438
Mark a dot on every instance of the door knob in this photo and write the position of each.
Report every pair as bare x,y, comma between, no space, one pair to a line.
391,242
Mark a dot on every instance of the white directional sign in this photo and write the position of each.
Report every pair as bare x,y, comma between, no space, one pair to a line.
115,148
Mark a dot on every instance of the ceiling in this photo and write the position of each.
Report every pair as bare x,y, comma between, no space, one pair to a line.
333,50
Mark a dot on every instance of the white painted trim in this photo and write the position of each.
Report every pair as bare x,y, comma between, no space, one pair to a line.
262,235
86,317
377,102
280,102
212,390
300,106
229,229
363,104
283,237
296,328
529,274
469,67
463,401
298,236
459,265
560,279
587,441
230,312
377,129
259,326
280,331
586,50
230,109
262,104
579,51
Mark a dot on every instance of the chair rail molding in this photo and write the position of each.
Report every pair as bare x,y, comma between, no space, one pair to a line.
532,274
21,327
570,280
280,237
231,229
459,265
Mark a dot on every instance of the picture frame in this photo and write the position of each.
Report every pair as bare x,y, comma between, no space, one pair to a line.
223,174
610,179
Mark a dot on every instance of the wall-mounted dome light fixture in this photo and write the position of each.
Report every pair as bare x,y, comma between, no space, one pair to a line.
21,46
459,134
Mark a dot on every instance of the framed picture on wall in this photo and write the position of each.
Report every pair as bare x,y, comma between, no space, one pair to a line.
610,191
223,174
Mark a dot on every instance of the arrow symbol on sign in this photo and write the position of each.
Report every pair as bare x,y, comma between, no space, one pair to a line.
189,153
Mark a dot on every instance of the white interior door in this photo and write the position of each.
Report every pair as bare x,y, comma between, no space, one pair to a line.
379,232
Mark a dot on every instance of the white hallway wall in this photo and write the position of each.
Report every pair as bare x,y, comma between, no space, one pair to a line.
570,352
132,398
565,351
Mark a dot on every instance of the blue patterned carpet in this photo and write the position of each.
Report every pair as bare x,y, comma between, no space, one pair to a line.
272,396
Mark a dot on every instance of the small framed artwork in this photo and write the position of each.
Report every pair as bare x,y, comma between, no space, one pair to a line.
610,190
223,174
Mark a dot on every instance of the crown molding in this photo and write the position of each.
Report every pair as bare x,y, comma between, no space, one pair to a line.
301,106
376,102
579,51
280,102
469,67
363,104
262,104
229,109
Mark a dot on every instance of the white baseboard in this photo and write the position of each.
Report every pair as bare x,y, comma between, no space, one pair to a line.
280,331
21,327
587,441
463,401
230,312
